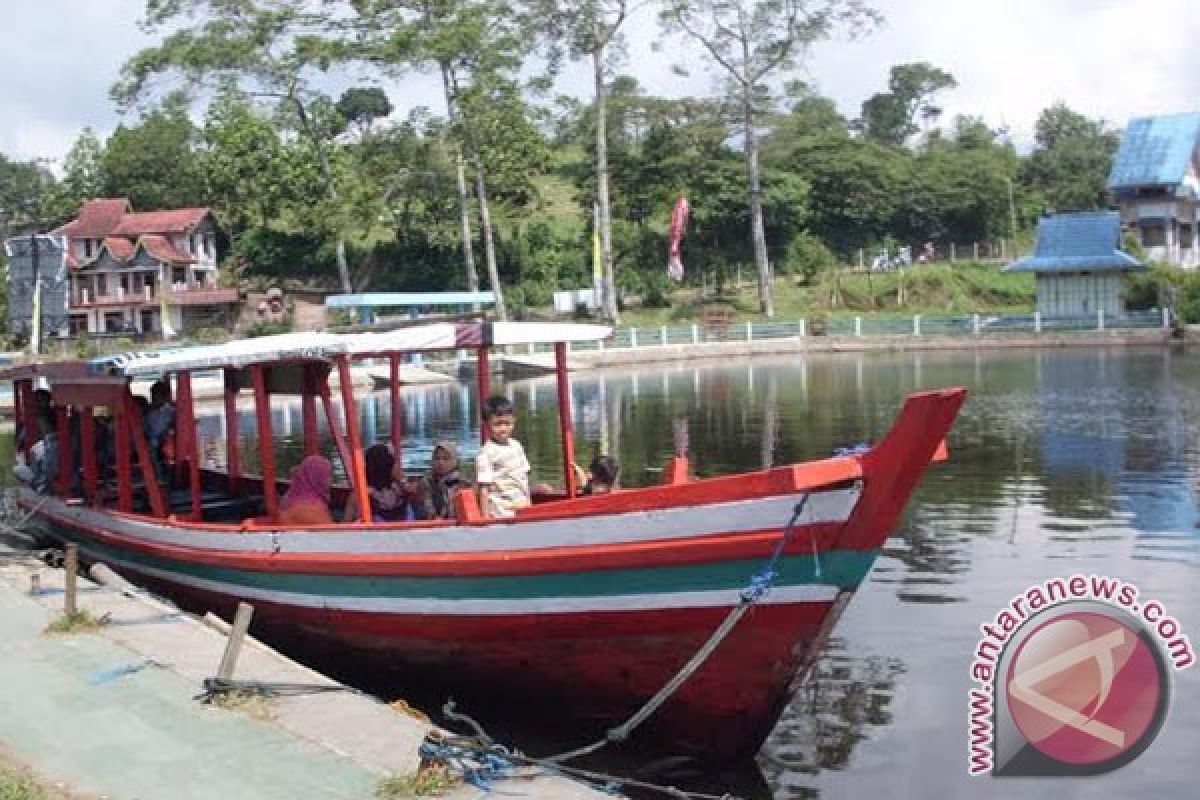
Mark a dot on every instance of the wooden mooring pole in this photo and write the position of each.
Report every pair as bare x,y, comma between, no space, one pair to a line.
70,585
233,646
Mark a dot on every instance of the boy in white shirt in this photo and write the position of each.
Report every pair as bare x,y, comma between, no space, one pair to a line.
501,469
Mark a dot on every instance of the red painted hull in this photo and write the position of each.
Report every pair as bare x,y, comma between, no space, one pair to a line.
598,668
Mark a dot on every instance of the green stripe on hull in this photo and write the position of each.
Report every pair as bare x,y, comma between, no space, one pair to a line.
844,569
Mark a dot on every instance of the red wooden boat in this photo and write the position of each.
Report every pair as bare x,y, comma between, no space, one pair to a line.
586,605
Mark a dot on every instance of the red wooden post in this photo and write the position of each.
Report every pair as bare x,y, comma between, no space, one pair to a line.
66,470
32,434
358,476
19,408
308,401
566,430
482,378
339,440
266,441
88,450
136,430
232,462
185,431
397,411
124,468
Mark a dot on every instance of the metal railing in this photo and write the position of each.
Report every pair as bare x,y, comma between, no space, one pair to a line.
872,325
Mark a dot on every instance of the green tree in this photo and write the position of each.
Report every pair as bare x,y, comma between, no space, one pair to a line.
890,117
362,106
750,42
268,47
83,177
249,175
154,162
591,28
1072,156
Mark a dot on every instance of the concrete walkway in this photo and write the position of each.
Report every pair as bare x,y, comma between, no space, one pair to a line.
112,713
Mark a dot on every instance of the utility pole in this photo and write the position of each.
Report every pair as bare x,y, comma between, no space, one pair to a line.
35,335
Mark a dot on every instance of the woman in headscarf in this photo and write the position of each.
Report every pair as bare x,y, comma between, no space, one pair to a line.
307,499
393,499
444,478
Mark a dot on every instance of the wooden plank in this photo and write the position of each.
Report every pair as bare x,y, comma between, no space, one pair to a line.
233,645
66,470
70,580
482,378
566,429
185,431
397,411
136,429
233,464
124,468
358,477
266,441
89,449
339,440
308,401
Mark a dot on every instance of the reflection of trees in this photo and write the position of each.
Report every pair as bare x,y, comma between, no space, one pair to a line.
836,708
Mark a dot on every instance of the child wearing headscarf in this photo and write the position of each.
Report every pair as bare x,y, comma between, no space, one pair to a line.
393,499
444,478
307,499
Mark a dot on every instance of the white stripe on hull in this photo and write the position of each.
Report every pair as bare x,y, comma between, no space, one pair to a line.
638,526
718,598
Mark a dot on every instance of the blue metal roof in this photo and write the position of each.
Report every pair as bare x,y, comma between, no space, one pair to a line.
1155,151
1076,242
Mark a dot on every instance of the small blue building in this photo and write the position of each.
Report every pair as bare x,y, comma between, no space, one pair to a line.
1155,180
1079,265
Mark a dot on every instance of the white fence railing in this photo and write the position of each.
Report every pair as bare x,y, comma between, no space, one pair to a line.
872,325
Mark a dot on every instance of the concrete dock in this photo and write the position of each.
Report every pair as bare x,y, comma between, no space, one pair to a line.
112,712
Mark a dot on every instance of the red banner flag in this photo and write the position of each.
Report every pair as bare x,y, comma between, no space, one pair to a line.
679,221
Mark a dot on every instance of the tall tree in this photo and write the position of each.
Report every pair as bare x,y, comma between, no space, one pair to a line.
476,46
891,117
591,28
83,177
153,162
751,42
1072,156
268,47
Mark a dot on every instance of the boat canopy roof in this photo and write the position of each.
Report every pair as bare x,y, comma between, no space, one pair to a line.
317,346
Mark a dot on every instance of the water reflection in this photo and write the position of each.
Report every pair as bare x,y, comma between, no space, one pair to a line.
1062,461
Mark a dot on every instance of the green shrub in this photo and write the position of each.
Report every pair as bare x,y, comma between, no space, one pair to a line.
807,256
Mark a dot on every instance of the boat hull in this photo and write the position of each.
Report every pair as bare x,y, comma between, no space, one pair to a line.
586,607
584,671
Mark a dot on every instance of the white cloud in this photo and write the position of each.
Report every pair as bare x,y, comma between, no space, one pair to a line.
1106,58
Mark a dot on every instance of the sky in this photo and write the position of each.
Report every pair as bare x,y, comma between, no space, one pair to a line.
1111,59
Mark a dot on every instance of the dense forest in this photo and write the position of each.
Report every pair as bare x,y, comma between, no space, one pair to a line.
503,184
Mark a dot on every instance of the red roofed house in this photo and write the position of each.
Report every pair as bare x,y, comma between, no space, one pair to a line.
128,268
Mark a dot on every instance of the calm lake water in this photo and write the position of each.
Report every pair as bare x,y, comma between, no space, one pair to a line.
1061,462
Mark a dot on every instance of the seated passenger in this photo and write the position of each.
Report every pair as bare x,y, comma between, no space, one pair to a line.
602,475
307,499
158,420
41,467
393,498
444,479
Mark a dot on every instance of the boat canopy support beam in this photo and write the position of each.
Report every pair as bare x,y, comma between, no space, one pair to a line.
358,471
266,441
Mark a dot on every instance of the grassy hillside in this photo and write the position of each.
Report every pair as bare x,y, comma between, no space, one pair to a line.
960,288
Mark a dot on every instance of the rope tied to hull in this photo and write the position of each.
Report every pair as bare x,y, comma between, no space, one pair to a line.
482,763
758,588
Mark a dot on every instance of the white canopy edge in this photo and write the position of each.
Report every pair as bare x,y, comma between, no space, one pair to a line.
324,346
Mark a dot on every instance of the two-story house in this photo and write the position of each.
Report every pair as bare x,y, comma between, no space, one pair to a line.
1155,179
127,269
